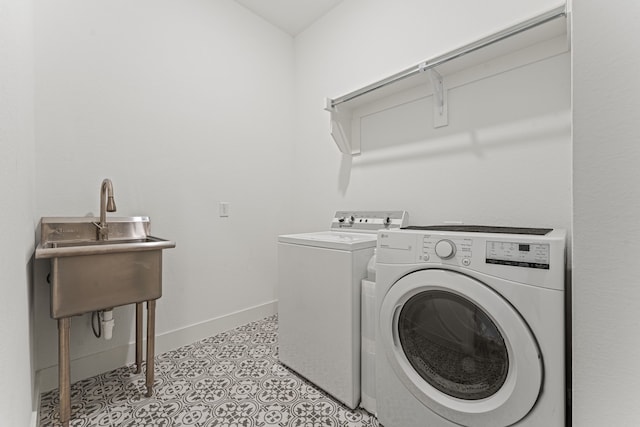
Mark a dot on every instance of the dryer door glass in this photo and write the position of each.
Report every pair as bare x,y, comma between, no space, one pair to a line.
453,345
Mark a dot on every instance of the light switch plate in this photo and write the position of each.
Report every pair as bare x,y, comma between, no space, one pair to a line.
224,209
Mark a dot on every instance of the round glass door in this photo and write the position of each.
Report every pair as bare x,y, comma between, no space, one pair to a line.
453,345
460,348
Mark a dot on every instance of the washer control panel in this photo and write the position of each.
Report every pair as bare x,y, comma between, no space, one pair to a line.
530,255
531,259
369,221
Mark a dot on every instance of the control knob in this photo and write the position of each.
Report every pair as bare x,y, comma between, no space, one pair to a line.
445,249
352,219
387,221
341,219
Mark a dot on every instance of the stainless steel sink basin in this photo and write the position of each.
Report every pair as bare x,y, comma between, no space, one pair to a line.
88,274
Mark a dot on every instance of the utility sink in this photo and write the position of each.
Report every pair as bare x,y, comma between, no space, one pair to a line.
98,264
88,274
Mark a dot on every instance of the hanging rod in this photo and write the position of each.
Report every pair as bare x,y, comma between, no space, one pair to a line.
471,47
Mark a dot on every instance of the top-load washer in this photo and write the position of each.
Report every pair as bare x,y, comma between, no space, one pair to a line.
471,327
319,299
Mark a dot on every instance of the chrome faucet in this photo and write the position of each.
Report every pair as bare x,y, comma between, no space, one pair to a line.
107,204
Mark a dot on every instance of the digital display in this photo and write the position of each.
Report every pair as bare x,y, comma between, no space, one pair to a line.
523,248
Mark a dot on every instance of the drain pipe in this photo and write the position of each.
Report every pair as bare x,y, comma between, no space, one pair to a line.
107,323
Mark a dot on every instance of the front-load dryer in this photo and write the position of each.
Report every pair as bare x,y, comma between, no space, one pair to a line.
471,327
319,277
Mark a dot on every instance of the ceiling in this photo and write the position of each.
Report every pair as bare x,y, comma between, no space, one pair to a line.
292,16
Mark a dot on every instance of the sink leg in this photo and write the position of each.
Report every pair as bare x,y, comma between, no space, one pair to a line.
64,385
151,334
139,308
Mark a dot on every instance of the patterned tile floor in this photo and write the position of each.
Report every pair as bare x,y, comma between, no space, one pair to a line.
229,380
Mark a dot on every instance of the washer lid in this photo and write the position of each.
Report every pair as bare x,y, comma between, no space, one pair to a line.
332,240
460,348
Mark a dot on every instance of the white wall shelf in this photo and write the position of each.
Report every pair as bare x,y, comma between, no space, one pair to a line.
540,37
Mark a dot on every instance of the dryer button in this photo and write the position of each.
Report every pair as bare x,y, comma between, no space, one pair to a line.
466,261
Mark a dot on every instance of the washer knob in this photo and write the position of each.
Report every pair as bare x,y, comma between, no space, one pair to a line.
445,249
341,219
352,219
387,221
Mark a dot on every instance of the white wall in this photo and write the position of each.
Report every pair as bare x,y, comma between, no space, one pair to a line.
505,157
182,105
606,224
17,206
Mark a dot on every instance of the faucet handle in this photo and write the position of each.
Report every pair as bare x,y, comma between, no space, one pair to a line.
103,230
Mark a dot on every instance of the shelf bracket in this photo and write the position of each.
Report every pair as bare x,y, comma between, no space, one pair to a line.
340,129
440,97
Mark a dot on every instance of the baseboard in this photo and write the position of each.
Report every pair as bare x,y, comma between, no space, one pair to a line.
35,413
94,364
35,418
